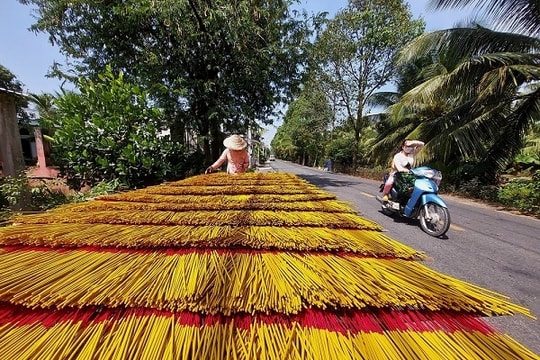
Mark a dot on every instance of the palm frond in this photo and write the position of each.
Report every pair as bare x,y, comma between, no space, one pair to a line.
432,70
472,74
417,99
506,82
383,99
387,144
512,134
522,16
456,44
532,146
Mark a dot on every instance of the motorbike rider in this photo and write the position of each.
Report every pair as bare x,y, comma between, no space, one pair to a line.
402,161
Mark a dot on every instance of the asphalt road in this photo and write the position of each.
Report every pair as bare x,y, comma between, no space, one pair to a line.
494,249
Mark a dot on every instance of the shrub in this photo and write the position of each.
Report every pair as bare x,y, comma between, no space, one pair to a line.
111,130
101,188
375,173
522,194
44,196
477,189
17,191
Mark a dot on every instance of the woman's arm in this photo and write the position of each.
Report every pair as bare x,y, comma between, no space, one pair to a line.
219,161
415,144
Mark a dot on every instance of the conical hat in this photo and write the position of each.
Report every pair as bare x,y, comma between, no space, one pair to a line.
235,142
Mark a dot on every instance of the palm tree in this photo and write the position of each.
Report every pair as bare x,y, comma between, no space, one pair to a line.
390,133
480,95
44,104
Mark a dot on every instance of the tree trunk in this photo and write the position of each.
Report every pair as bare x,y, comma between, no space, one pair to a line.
358,127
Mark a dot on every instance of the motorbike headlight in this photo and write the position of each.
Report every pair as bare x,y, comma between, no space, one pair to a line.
432,174
424,172
429,173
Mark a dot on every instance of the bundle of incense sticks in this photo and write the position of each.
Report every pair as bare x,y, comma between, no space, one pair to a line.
252,266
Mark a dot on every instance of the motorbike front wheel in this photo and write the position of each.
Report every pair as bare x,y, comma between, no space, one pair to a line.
434,219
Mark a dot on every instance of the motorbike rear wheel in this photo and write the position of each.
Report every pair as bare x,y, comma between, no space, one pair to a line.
434,219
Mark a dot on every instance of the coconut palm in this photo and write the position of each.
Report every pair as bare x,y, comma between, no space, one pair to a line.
480,95
44,103
410,76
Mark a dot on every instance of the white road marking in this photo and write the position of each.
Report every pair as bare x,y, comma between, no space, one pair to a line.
457,228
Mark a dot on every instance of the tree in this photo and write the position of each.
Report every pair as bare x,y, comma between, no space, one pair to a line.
486,94
210,65
341,150
110,130
44,103
356,51
391,131
305,127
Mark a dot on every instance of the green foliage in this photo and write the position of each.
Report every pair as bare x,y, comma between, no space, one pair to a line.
525,164
45,195
42,196
111,131
9,81
101,188
476,189
522,194
480,94
211,65
341,151
12,189
354,57
373,173
302,136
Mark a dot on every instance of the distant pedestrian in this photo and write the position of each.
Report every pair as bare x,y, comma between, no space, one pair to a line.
328,165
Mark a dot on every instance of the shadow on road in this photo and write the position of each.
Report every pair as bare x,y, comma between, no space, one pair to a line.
325,181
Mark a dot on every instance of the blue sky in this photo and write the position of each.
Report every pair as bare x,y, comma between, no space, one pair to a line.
29,56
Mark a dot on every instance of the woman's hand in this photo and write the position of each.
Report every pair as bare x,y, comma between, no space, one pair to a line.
209,170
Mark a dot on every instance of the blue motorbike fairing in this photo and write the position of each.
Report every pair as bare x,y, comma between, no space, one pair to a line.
433,198
425,190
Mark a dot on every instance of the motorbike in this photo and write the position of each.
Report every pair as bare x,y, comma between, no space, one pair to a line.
414,195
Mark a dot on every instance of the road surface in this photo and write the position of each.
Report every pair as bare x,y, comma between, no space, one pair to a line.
494,249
